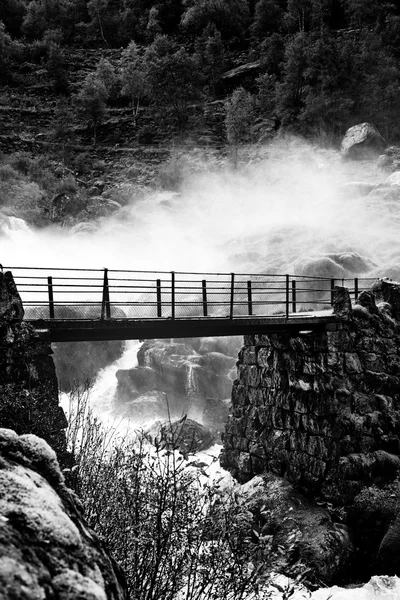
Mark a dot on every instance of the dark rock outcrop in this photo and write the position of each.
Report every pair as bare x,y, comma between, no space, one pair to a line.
46,548
362,141
28,383
299,534
184,434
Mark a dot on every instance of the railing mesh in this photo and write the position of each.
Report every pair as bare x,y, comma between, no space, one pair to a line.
80,294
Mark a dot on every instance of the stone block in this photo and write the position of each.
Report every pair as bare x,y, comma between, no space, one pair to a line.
392,364
373,362
352,363
363,403
263,355
248,355
341,303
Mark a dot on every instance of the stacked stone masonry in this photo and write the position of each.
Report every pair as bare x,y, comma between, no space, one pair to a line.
322,406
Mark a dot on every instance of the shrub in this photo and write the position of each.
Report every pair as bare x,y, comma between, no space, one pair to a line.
174,534
7,173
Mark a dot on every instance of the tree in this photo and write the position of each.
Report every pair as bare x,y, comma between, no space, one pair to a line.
43,15
211,54
12,13
291,90
297,16
97,10
173,77
106,73
238,120
268,16
133,77
91,102
229,17
9,52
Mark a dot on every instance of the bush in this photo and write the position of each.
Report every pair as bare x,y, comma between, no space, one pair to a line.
173,533
7,173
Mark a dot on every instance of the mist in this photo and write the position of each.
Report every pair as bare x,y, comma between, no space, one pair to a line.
283,210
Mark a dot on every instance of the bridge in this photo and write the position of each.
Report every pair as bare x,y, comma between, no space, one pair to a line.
103,304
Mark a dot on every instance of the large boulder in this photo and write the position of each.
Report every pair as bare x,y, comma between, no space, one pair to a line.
362,141
301,536
184,434
185,377
46,548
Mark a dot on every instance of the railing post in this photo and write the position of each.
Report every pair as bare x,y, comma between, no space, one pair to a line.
51,297
159,311
332,289
356,288
105,303
294,296
287,295
232,295
204,289
172,295
249,299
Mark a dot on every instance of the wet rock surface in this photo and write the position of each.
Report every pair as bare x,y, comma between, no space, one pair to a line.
190,377
184,435
362,141
46,548
301,537
322,410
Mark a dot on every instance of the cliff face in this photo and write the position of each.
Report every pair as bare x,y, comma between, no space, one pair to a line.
28,383
322,409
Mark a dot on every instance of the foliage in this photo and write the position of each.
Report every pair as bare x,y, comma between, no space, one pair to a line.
268,18
172,530
335,62
238,121
173,77
133,77
229,17
10,52
91,102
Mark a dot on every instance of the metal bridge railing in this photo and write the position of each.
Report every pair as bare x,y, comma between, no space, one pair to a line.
81,294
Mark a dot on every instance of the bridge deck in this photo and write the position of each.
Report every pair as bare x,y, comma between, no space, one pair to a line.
131,329
100,304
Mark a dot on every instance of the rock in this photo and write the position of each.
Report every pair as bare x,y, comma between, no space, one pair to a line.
358,188
11,308
83,228
384,161
178,370
390,159
341,303
393,179
377,588
28,383
362,141
388,558
80,362
147,407
302,535
185,435
46,548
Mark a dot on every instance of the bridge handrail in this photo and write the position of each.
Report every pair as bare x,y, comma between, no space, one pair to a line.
66,294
